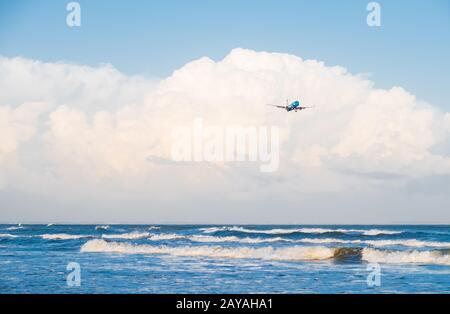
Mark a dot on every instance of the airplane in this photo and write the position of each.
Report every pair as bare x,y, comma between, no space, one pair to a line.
294,106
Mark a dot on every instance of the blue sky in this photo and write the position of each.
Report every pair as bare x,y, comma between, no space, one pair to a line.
411,49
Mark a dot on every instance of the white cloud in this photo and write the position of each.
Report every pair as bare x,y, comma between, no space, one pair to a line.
17,126
87,88
104,132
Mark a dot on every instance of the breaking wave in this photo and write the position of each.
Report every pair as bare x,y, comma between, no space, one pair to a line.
370,232
214,239
130,235
293,253
297,253
374,232
410,242
165,236
378,243
63,236
7,235
270,231
204,238
402,257
14,228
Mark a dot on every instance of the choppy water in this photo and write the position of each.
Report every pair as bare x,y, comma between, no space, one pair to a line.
225,259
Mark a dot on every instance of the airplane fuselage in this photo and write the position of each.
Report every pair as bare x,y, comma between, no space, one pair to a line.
295,105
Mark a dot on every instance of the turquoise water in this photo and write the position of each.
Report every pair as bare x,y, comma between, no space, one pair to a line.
224,259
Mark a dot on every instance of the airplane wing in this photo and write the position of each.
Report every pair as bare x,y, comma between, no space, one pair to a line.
301,108
283,107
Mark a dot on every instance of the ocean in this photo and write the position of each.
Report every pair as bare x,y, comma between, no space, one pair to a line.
224,259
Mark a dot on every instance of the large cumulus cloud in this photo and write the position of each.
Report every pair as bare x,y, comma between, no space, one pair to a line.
97,131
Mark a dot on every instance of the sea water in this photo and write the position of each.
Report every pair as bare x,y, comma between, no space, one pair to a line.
224,259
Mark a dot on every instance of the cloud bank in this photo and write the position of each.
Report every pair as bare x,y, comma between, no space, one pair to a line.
82,143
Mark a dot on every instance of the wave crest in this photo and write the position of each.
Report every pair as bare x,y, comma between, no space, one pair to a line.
165,236
205,238
296,253
129,236
7,235
406,242
370,232
63,236
14,228
402,257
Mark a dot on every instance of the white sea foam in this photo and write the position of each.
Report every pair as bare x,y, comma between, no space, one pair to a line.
408,242
14,228
270,231
131,235
7,235
268,253
63,236
329,240
213,239
402,257
262,231
318,230
204,238
370,232
214,229
153,228
379,243
374,232
165,236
